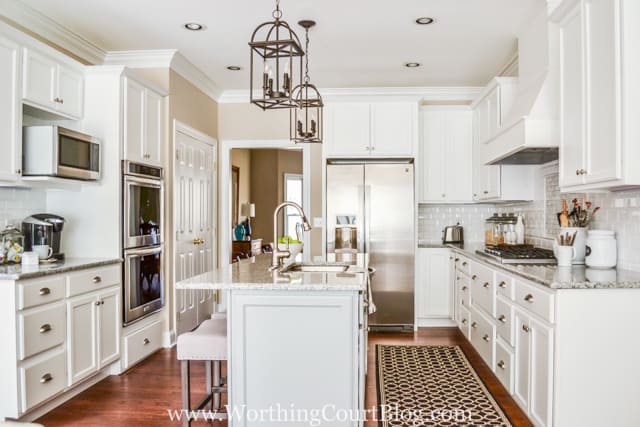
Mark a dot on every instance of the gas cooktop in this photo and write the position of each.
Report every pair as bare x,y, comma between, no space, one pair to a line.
519,255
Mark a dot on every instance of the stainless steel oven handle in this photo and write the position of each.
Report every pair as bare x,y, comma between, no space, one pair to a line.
146,182
142,251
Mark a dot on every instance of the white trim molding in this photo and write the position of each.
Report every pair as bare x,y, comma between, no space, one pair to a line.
427,93
48,29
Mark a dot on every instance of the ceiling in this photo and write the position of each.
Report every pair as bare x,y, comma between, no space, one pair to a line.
357,43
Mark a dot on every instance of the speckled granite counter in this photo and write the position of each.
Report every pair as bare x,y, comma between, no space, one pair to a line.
552,276
253,273
21,272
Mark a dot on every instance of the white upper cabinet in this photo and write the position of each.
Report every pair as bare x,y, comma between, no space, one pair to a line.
51,85
599,65
10,114
143,123
446,154
364,129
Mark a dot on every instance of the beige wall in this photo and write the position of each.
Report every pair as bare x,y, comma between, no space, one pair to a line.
264,191
191,106
241,159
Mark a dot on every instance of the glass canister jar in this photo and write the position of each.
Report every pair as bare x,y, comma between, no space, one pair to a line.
12,241
509,228
492,230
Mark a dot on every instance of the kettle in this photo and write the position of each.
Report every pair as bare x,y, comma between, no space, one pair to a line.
453,234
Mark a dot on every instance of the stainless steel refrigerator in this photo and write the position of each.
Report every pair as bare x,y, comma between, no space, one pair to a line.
375,200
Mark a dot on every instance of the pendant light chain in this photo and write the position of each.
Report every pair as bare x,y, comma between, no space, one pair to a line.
306,57
277,13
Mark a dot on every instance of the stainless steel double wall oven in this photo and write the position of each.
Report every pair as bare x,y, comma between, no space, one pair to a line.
142,224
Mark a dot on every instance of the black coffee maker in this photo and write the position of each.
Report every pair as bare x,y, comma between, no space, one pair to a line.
43,229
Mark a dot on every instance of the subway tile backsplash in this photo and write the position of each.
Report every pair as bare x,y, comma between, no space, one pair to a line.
619,212
16,204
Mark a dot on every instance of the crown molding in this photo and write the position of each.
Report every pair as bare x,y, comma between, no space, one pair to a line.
427,93
165,58
46,28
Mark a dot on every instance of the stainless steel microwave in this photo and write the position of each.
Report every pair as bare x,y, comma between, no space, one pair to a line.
50,150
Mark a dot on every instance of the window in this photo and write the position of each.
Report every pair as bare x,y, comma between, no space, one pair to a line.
292,193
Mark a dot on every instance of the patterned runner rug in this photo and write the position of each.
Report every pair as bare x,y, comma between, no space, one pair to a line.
432,386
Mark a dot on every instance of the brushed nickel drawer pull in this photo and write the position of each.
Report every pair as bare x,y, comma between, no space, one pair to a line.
528,298
457,259
503,284
502,318
474,277
486,285
46,378
464,288
146,341
97,279
45,291
97,302
465,321
525,328
474,325
464,263
486,337
501,364
45,328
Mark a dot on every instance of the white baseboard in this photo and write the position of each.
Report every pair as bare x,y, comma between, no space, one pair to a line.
168,339
435,322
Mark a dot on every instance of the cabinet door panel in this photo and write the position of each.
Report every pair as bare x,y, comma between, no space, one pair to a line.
39,79
10,132
522,351
494,116
82,357
571,100
134,98
153,128
433,149
435,285
109,327
348,126
458,156
70,92
541,371
603,104
392,128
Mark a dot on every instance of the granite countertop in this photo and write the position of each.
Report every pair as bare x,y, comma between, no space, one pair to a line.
552,276
253,274
21,272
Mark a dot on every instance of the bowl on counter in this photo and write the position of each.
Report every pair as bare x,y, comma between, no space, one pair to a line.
294,249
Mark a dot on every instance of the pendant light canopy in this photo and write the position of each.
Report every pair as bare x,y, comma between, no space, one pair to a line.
276,63
306,118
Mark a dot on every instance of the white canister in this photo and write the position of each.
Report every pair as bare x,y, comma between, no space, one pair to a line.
602,249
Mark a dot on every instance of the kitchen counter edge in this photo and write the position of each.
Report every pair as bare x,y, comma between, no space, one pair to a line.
22,272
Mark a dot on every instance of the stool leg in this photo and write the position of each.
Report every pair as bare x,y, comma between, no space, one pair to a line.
216,383
185,379
208,379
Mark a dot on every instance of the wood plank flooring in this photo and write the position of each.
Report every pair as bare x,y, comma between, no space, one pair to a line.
143,395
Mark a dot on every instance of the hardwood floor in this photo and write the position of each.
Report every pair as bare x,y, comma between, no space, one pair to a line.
143,395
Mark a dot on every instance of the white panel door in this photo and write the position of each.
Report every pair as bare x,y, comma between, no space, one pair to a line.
522,359
433,155
435,287
457,161
109,321
541,366
82,357
39,79
10,112
154,123
134,99
70,92
572,147
348,129
392,128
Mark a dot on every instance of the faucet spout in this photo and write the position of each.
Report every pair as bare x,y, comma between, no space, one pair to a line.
278,255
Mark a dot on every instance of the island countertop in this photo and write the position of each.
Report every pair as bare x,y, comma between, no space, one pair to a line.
253,274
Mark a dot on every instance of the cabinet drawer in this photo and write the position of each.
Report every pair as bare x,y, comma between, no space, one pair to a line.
482,336
462,264
504,320
41,329
504,365
483,291
38,292
535,300
43,379
93,279
504,285
464,291
142,343
464,320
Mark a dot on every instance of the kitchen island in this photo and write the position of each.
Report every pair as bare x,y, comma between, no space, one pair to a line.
296,342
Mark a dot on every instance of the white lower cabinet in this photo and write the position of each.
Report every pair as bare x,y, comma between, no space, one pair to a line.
483,335
141,343
504,364
434,289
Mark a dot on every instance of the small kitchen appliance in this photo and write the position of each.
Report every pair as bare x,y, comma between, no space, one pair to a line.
44,229
453,234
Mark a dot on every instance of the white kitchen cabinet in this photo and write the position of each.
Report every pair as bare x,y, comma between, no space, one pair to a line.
51,85
599,63
143,123
446,154
434,287
10,113
365,129
94,332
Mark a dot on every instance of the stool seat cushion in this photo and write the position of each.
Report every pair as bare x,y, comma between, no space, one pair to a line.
207,342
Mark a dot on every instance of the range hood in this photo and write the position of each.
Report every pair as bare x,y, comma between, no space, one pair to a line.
530,129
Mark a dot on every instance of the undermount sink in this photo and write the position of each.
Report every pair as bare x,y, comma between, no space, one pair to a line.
316,268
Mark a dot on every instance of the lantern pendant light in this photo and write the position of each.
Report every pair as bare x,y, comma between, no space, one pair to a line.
306,119
276,63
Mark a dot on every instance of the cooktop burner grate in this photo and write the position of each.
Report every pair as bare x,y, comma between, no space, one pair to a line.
520,255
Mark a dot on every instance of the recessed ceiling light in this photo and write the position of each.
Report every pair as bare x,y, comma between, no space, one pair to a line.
234,68
425,20
194,26
412,64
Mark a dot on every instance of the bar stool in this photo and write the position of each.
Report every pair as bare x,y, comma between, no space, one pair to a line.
208,343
